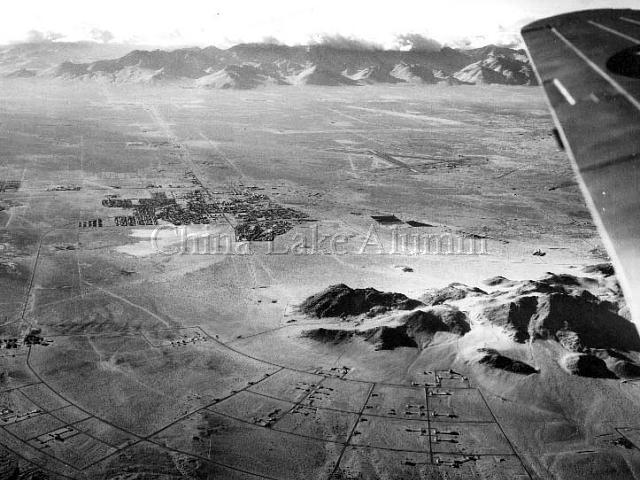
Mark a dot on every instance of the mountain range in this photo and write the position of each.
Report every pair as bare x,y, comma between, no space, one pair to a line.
247,66
33,57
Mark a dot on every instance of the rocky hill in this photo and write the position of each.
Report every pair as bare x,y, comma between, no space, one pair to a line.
584,316
253,65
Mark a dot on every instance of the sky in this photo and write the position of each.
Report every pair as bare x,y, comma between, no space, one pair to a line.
384,23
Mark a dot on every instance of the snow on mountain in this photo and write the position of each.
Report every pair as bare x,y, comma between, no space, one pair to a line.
240,77
247,66
497,69
314,75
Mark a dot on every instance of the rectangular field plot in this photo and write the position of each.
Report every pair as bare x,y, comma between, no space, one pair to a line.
397,402
72,447
251,407
15,407
460,405
35,426
486,467
374,464
288,385
44,397
261,451
397,434
454,383
451,379
318,423
339,395
70,414
425,379
113,467
105,433
469,438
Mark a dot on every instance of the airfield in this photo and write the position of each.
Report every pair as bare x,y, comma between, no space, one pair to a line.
152,354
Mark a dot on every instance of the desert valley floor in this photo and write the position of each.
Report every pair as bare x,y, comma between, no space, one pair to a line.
133,350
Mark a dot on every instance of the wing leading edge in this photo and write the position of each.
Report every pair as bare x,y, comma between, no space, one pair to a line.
589,65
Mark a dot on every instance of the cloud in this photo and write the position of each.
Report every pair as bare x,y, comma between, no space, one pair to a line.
344,43
464,42
503,39
510,41
104,36
508,37
417,42
269,40
36,36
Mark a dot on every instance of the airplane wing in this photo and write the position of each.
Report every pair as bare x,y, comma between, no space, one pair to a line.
589,65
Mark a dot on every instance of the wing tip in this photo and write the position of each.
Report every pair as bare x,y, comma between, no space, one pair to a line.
556,20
